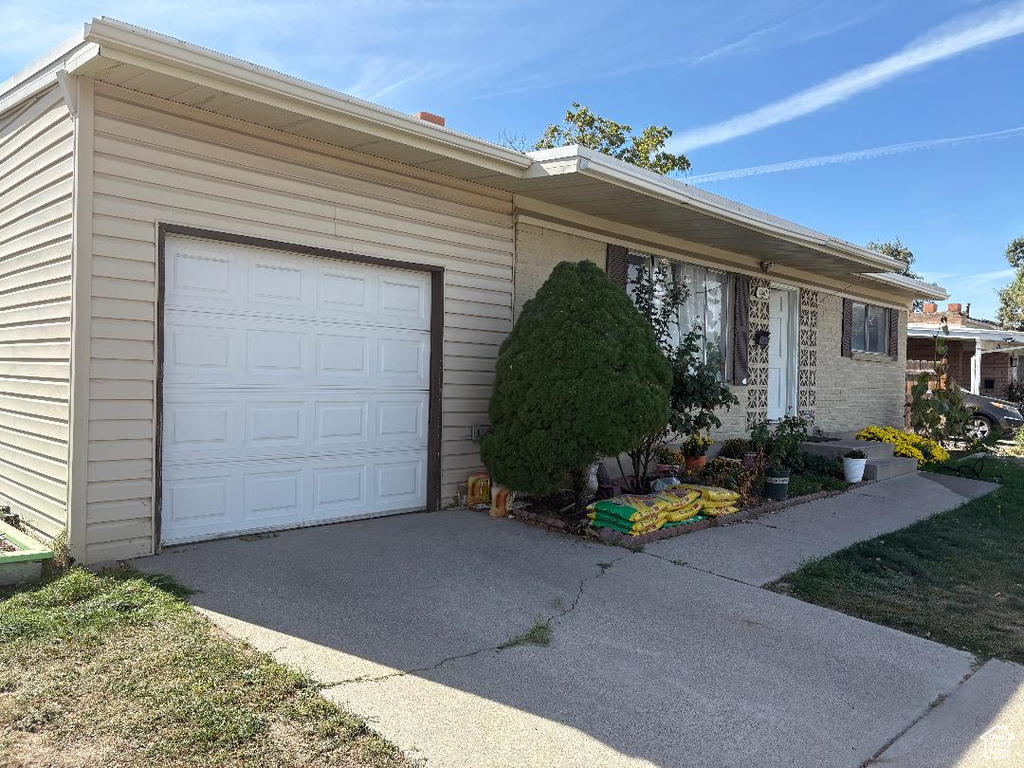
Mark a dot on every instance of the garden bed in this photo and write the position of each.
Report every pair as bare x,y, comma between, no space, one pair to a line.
549,519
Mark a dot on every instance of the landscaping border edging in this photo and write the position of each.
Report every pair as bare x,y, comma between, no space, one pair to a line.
617,538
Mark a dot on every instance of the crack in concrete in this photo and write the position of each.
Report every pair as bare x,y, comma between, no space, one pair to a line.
684,564
976,665
603,568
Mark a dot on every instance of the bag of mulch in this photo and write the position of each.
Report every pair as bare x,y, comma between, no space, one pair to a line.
599,520
720,494
682,514
681,496
629,508
718,511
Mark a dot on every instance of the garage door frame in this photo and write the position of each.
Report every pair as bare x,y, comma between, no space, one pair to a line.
436,376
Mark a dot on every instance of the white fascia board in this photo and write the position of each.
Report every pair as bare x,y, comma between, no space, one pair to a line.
42,74
577,159
919,288
979,334
124,42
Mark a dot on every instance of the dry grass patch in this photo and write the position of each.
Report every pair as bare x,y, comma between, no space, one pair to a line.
116,669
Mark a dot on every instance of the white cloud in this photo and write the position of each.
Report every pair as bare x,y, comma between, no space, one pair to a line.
852,157
958,36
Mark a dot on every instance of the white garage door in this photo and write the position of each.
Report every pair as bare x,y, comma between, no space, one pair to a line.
296,389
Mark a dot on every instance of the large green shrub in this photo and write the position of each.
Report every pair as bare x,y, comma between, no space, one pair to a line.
579,377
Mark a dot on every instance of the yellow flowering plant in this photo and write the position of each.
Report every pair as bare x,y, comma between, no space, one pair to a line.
922,449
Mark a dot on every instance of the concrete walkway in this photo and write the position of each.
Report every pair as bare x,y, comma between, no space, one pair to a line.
761,550
651,662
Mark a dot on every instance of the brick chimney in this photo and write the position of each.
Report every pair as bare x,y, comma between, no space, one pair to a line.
955,308
930,308
431,118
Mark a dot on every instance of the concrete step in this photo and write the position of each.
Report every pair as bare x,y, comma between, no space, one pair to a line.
883,469
836,449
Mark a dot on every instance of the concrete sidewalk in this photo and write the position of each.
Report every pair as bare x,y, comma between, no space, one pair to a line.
651,663
760,551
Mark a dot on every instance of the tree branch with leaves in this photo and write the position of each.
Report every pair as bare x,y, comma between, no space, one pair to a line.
645,150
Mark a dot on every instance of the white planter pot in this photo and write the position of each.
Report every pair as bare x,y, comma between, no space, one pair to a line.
853,469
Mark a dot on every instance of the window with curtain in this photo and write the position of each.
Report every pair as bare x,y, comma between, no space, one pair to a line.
870,330
706,306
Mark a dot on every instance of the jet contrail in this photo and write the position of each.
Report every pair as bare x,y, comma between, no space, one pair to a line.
850,157
962,34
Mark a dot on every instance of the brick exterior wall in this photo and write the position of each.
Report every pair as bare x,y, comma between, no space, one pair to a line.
538,250
854,392
994,365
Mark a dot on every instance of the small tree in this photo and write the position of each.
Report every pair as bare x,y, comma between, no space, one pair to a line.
1011,297
579,377
939,414
698,392
658,299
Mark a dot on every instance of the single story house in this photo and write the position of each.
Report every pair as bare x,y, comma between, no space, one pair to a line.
231,300
980,356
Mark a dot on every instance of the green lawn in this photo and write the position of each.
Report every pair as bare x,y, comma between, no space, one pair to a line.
957,577
118,670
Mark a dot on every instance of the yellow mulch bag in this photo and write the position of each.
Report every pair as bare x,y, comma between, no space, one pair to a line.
709,493
681,496
718,504
718,511
684,513
720,494
602,520
636,515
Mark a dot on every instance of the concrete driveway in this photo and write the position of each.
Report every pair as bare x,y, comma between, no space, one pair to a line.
651,662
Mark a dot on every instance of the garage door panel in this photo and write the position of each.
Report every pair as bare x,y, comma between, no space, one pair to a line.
232,279
296,390
248,496
235,352
403,360
233,424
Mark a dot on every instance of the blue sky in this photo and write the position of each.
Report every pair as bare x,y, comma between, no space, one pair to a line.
876,119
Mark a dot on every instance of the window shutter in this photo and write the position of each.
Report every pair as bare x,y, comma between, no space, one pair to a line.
847,343
894,334
740,329
617,265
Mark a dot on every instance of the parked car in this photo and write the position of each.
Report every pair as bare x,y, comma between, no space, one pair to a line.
991,414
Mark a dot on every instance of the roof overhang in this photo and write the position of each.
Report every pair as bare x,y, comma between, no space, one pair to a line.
999,340
918,289
573,178
590,182
120,54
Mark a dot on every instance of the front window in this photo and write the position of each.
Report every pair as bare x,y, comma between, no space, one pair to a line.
870,329
706,306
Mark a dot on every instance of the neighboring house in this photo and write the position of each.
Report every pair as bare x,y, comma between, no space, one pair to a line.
231,300
981,357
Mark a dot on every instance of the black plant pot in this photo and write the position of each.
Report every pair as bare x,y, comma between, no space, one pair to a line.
776,484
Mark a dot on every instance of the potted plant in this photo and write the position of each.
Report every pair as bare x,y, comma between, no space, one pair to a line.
780,447
670,461
853,466
695,449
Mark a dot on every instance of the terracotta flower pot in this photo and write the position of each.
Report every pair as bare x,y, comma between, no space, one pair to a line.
695,464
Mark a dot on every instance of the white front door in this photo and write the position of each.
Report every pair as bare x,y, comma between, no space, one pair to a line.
781,382
296,389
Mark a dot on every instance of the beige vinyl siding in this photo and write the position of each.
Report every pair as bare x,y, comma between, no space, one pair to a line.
157,162
36,176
